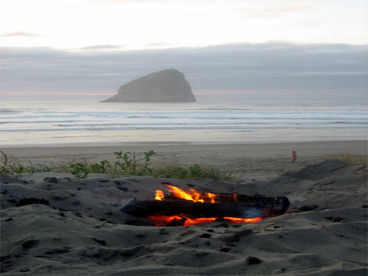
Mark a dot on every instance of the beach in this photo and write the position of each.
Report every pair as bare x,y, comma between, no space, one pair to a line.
75,226
183,138
247,161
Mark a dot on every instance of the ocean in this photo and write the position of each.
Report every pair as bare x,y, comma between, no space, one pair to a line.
80,122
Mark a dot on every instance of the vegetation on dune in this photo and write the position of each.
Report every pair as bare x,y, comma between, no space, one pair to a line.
11,166
125,164
359,160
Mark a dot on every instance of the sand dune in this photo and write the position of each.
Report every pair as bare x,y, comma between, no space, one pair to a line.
77,228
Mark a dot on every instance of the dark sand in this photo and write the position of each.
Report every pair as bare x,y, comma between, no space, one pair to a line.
83,232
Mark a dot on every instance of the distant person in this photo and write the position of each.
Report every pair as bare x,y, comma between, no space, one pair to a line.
293,156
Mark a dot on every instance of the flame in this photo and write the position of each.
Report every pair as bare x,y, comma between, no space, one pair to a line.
211,197
159,195
191,195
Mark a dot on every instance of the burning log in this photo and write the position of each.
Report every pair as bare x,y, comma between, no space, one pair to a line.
173,206
188,208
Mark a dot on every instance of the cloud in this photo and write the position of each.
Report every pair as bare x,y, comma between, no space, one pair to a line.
137,1
272,67
285,9
102,47
309,22
275,11
19,34
160,45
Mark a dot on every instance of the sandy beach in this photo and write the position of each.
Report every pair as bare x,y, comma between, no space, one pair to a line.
246,161
183,138
76,227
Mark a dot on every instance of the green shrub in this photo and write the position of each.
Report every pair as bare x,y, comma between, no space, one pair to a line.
79,170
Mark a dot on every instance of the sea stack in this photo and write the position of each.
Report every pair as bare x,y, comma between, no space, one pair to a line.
163,86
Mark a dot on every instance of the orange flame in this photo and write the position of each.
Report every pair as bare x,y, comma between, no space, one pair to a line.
191,195
212,197
159,195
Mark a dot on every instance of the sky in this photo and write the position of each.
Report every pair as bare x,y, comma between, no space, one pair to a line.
221,45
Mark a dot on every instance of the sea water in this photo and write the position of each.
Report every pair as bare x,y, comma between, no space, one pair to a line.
61,122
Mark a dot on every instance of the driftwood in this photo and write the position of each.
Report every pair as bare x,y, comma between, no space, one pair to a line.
244,207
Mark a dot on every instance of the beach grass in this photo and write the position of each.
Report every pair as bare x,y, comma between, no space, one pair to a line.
353,159
125,164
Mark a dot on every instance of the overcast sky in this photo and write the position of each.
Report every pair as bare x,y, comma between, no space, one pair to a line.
141,24
69,46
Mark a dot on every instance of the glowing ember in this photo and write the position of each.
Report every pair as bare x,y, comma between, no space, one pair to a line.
159,195
235,197
187,221
190,222
243,220
164,220
211,197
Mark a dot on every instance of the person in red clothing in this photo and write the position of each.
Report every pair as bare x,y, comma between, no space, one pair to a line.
293,156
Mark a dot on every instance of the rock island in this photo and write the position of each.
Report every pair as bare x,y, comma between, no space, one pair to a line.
162,86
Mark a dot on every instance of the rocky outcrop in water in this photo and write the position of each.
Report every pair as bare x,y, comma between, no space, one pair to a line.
163,86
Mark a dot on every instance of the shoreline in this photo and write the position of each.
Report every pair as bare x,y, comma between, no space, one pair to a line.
168,143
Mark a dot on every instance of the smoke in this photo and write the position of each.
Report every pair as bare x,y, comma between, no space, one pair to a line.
251,212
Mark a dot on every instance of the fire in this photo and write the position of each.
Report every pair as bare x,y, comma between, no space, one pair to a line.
211,197
164,220
184,220
198,197
191,195
243,220
190,222
159,195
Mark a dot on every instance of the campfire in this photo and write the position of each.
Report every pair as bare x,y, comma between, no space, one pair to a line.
185,208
